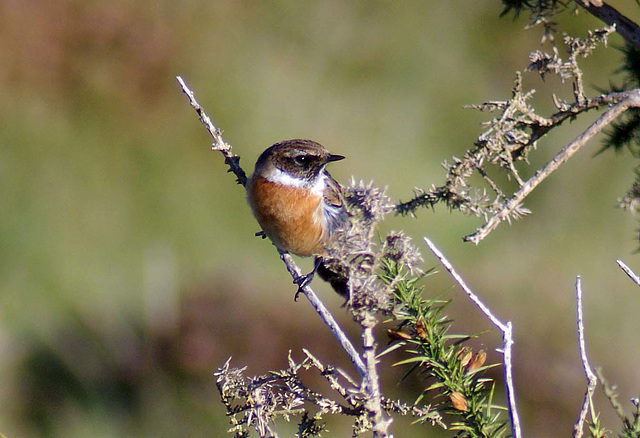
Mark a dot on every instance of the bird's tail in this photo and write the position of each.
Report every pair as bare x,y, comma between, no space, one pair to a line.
336,275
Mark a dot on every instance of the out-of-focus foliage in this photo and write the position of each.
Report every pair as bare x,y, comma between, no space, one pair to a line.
625,134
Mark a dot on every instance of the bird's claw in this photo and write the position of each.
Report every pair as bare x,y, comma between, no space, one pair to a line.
302,282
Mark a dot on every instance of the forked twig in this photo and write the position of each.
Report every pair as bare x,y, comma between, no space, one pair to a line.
632,100
507,337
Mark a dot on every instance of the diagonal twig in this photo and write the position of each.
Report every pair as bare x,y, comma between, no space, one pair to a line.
627,270
507,337
326,316
218,142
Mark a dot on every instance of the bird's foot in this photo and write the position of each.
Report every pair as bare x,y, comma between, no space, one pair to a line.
302,282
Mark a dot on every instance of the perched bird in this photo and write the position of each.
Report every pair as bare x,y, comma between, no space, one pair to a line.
298,204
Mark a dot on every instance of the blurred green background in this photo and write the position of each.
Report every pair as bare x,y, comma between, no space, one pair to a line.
128,267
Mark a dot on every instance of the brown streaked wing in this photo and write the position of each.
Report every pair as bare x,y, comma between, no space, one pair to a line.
335,212
333,193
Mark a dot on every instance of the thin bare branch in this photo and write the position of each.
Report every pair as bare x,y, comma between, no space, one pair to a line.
627,270
631,101
592,380
218,142
326,316
507,337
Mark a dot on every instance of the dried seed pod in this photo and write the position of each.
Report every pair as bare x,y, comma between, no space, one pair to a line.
464,355
478,360
421,329
458,401
398,335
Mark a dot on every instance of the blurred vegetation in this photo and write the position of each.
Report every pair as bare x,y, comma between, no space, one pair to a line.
128,266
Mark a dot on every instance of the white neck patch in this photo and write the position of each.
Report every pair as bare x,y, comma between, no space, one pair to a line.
278,176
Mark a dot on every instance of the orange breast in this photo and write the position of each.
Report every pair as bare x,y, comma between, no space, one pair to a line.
291,217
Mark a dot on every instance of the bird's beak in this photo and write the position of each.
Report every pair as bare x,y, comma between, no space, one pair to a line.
334,158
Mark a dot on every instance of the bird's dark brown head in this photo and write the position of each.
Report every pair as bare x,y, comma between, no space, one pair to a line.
301,159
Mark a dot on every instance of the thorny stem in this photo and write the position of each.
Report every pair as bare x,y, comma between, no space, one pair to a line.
218,142
610,393
371,381
578,86
631,101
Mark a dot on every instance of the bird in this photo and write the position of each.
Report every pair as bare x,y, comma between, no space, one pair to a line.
299,205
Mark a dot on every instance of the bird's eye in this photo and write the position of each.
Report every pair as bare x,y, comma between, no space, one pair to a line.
301,160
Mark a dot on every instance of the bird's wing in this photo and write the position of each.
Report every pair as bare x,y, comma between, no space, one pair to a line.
334,208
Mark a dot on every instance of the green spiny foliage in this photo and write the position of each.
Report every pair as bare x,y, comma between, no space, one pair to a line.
596,429
310,426
537,8
422,330
631,426
625,133
541,13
